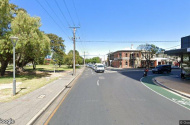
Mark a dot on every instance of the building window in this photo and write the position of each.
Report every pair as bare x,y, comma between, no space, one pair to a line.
119,55
126,63
126,54
137,55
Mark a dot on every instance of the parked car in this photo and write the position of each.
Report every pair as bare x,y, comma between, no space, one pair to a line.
185,71
99,68
162,69
93,66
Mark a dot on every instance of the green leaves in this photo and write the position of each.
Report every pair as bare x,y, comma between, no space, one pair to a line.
32,44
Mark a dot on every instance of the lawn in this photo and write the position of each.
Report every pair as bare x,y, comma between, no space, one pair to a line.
32,74
30,79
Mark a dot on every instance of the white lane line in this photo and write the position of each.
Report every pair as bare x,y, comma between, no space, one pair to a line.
91,71
98,83
162,95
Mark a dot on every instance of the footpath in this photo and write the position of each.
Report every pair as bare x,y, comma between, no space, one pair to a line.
24,110
175,83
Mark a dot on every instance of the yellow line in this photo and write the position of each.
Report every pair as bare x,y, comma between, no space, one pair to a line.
55,110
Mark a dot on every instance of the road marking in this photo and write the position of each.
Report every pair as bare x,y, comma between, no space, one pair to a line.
91,71
101,77
41,96
173,100
57,107
98,83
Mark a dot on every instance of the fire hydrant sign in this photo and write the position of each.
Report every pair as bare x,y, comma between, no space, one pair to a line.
188,49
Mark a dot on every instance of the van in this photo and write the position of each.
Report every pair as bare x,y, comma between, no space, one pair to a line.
99,68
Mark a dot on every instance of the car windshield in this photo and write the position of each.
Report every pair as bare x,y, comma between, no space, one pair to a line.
100,66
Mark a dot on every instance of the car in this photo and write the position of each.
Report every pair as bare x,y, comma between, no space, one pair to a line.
99,68
185,71
93,66
162,69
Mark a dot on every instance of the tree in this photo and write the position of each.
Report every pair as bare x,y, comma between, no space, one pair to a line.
58,58
32,44
57,47
5,43
69,58
148,51
96,60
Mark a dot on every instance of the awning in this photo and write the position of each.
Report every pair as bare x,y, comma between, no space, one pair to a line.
177,52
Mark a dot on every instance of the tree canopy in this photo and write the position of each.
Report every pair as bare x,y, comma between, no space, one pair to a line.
32,43
69,58
148,51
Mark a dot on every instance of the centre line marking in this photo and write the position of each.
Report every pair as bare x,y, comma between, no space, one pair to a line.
98,83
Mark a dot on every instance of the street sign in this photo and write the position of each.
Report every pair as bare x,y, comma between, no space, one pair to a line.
188,49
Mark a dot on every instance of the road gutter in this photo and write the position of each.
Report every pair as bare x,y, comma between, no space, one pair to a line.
51,101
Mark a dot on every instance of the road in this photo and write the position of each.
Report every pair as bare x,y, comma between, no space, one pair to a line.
116,98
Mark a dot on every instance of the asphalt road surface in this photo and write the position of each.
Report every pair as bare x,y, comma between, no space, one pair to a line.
116,98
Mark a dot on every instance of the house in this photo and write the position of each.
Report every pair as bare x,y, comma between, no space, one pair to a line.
136,58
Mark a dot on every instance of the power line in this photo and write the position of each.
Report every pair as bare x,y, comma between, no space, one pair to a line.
76,11
69,12
54,12
62,12
173,47
51,17
53,20
129,41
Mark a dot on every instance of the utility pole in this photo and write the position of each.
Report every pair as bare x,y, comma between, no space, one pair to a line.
109,59
74,31
84,58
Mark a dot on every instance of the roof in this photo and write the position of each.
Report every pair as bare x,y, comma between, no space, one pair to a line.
130,50
177,52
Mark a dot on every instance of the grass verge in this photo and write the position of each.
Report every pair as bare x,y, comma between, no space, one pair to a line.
30,80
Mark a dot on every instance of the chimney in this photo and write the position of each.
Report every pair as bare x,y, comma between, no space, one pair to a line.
131,46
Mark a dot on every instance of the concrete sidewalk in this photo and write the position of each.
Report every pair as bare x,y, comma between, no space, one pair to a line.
174,82
27,107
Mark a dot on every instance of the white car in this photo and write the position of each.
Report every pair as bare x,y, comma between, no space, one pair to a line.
99,68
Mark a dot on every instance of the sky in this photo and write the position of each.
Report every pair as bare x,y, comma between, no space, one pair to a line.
111,25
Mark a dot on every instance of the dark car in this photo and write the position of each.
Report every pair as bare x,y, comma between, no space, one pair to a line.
162,69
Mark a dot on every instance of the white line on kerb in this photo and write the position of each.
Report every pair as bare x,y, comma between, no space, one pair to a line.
98,83
162,95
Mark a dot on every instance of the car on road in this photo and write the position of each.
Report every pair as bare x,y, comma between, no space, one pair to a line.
185,71
99,68
162,69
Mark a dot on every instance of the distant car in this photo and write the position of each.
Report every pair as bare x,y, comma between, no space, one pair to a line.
99,68
93,67
87,65
90,66
162,69
77,65
185,72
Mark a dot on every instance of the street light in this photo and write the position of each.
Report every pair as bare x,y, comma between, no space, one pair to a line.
14,40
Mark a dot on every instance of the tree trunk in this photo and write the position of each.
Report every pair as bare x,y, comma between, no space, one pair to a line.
3,67
34,65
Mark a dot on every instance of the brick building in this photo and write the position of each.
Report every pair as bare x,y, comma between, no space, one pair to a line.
134,59
125,58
